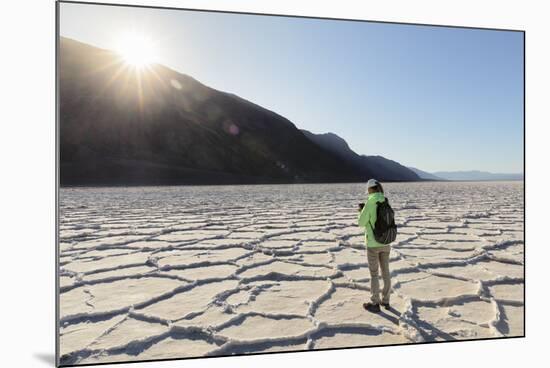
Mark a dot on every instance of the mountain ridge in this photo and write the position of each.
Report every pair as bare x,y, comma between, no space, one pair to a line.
374,166
477,175
119,126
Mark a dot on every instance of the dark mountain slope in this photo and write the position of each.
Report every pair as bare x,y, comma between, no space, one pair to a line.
122,126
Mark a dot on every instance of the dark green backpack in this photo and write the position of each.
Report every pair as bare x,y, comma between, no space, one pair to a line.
385,230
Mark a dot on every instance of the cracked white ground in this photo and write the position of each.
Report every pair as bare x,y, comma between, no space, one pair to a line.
174,272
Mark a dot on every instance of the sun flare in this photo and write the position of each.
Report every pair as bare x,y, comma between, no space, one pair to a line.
136,49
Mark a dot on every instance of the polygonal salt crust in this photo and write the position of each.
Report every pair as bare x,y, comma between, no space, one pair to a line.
268,347
287,297
149,244
507,292
115,232
435,255
114,240
246,234
75,234
407,231
129,330
313,223
262,328
188,236
514,324
124,293
397,265
418,242
78,336
277,243
106,223
345,305
500,269
349,231
178,346
299,228
403,238
479,312
189,301
316,246
196,224
482,270
479,224
431,231
253,258
361,274
239,297
513,254
356,241
146,230
185,257
399,279
307,235
460,321
228,222
106,357
74,302
443,245
316,258
107,262
478,232
201,273
63,246
209,243
350,255
102,253
286,269
208,318
451,237
424,224
513,235
434,288
343,340
66,280
127,271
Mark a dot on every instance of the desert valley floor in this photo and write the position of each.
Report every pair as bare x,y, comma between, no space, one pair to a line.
174,272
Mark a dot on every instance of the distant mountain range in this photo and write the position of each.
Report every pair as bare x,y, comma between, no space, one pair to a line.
122,127
472,175
475,175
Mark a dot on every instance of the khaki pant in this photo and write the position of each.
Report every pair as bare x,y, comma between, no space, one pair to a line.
379,258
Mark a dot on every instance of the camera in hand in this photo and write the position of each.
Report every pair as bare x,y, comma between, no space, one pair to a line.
361,205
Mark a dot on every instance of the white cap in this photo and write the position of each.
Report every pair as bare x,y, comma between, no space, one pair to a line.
372,183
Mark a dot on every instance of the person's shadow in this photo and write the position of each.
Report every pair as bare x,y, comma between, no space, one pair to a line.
47,358
393,319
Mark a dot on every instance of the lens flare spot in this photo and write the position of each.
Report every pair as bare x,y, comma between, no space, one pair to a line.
231,128
175,84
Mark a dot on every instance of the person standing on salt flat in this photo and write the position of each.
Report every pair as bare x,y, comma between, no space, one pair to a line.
377,217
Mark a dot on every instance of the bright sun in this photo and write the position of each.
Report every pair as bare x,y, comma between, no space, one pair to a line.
136,49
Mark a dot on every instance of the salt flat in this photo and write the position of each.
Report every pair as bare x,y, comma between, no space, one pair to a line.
173,272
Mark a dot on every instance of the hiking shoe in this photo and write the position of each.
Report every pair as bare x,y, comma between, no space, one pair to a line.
371,307
386,305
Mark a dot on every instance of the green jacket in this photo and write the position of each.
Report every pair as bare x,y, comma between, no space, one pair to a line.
368,216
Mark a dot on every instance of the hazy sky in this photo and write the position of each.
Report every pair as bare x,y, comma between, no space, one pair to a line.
431,97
